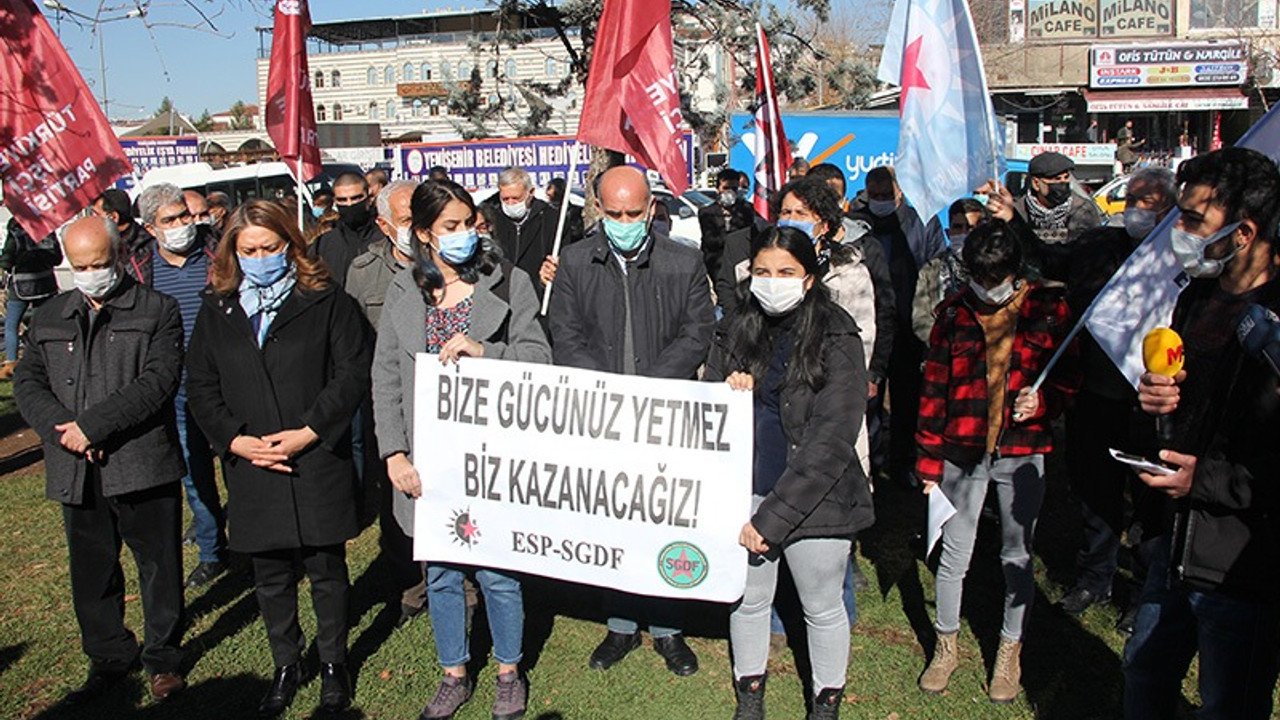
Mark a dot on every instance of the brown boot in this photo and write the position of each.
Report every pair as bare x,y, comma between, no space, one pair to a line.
946,656
1008,672
6,370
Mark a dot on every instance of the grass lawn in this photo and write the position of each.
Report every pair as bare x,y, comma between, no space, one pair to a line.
1071,668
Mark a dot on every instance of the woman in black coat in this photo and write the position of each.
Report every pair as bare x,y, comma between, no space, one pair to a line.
277,364
800,354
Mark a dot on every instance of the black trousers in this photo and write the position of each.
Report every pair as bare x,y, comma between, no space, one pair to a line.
407,575
150,523
1094,424
905,376
276,574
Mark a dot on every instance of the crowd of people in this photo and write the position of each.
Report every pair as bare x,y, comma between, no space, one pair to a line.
879,347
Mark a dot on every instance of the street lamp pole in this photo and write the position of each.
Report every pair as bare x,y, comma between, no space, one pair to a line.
59,8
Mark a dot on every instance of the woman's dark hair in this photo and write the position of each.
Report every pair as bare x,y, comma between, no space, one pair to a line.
822,200
428,202
992,252
752,335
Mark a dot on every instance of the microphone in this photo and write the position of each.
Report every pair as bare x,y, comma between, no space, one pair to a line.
1259,335
1162,354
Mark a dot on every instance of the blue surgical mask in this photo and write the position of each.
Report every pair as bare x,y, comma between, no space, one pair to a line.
318,211
266,270
457,248
804,226
625,236
882,208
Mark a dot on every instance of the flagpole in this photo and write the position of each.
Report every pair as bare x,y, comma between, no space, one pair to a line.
564,213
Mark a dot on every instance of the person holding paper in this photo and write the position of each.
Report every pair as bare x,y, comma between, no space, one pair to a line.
276,366
1212,586
802,356
983,426
459,299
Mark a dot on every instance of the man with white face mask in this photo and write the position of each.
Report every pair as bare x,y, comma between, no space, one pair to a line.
1212,583
525,227
102,359
180,269
1100,417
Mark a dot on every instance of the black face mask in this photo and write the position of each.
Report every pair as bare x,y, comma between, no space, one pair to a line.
354,216
1058,193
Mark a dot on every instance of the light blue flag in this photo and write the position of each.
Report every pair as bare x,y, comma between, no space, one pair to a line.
948,144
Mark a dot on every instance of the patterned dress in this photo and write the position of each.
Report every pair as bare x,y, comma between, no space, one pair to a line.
444,323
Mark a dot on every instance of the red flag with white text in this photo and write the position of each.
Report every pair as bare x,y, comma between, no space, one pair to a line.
633,100
57,151
771,150
291,117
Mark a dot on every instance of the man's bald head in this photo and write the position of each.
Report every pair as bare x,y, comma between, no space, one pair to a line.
625,195
92,243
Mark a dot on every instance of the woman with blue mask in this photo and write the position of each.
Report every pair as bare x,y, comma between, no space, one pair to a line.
459,299
277,365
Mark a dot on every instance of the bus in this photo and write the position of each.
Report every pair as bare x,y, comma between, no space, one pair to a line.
269,180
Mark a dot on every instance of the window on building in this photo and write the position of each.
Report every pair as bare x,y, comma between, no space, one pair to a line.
389,75
426,71
337,79
493,68
511,69
408,72
372,77
494,99
553,67
319,79
320,113
337,113
446,71
391,109
417,108
572,99
373,111
435,107
1222,14
464,71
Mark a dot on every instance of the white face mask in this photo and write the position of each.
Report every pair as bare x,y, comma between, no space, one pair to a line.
997,296
777,296
1139,222
404,240
178,239
882,208
515,211
96,284
1189,249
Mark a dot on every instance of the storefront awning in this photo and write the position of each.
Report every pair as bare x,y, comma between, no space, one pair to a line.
1127,101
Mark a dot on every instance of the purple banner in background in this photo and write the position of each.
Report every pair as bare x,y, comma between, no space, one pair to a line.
476,163
147,153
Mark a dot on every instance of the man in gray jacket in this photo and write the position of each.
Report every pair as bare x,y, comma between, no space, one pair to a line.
629,300
97,386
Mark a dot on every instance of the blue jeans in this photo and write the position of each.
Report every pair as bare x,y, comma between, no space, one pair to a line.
14,309
1236,641
202,488
503,604
623,608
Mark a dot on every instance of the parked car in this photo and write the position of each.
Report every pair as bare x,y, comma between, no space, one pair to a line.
1110,197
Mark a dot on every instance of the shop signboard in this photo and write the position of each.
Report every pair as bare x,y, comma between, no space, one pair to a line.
1080,153
1166,65
1062,19
855,142
1169,103
1123,18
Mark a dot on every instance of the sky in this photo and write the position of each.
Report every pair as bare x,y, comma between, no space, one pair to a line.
196,69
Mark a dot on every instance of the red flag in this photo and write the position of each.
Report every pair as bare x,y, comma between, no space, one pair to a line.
291,118
772,153
633,99
57,152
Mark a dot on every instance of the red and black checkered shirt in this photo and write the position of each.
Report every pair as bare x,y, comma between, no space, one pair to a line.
953,398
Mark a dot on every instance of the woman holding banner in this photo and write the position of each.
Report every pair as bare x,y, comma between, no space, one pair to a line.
800,354
276,366
459,300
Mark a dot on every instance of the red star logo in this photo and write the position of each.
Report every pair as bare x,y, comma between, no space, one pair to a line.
683,566
469,530
912,77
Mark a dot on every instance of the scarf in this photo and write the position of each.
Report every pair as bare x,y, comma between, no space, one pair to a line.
1050,224
262,303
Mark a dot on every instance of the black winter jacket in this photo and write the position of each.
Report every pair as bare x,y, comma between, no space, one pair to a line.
823,493
527,243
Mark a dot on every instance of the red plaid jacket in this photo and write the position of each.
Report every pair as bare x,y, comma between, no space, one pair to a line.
953,398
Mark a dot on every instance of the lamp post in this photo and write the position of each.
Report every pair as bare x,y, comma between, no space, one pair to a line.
59,8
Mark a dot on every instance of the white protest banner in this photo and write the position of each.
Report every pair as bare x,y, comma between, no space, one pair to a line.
632,483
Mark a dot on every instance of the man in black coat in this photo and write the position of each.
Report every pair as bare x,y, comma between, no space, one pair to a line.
97,386
628,300
727,215
525,229
356,228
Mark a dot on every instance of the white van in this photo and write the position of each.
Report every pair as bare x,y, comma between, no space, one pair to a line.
270,180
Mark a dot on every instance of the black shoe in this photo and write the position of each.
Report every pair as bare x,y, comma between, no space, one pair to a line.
827,705
335,687
283,688
1128,620
189,535
612,649
1079,600
750,695
205,573
98,683
679,656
